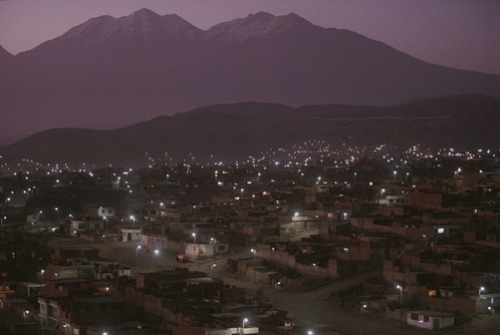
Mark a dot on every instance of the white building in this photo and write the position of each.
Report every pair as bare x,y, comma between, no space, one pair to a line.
131,234
77,227
430,320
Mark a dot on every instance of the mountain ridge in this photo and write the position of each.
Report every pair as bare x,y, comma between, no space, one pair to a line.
261,24
142,23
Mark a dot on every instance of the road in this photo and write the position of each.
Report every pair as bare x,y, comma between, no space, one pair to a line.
310,308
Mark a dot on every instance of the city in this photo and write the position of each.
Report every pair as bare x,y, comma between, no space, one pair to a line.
374,239
262,167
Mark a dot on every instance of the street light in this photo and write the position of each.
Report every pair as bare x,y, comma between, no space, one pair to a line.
41,275
254,252
400,288
137,249
245,320
276,288
213,242
105,220
195,246
132,218
156,253
212,268
363,311
481,289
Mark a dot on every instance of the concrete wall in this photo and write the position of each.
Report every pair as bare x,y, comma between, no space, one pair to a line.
450,304
424,200
283,259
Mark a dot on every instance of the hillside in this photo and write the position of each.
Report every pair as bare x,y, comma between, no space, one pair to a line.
234,131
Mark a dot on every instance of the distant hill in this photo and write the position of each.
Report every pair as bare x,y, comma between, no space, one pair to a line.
234,131
110,71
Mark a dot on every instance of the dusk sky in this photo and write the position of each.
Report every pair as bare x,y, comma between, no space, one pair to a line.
463,34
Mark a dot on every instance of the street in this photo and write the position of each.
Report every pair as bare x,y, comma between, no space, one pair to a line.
315,307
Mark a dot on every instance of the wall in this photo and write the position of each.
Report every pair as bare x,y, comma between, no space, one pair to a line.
424,200
283,259
450,304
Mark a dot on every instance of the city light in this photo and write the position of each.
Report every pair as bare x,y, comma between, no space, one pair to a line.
283,215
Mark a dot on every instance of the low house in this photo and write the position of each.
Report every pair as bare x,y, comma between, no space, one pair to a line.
131,234
76,227
430,320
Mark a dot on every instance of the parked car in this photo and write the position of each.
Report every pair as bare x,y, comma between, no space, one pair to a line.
182,258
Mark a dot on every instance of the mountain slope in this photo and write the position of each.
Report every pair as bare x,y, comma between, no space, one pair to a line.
5,60
235,131
111,71
4,54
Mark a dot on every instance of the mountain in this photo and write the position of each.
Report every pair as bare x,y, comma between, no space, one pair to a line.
110,71
4,54
260,25
5,59
143,24
231,132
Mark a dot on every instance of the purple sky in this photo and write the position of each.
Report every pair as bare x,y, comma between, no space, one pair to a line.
459,33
